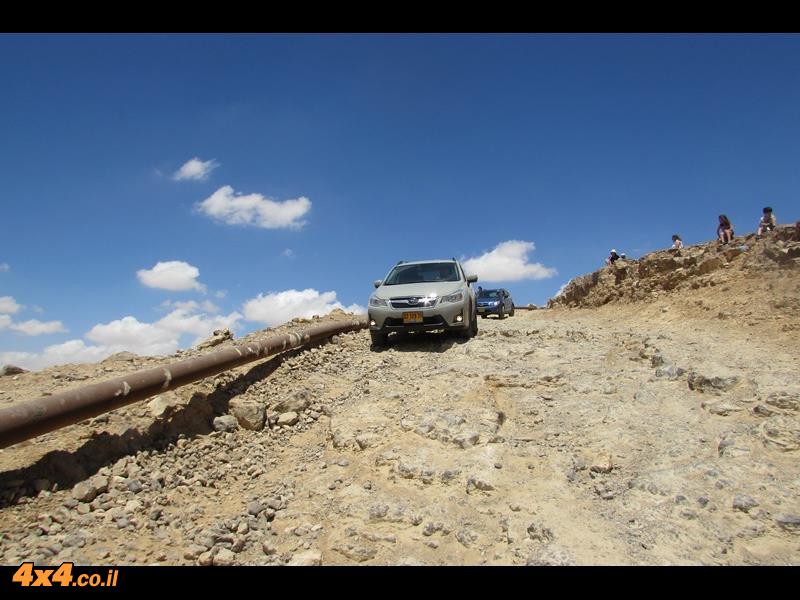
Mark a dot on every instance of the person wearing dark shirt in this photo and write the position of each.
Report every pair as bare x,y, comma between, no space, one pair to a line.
724,230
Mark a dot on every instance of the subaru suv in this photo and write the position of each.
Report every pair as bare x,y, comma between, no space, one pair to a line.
495,302
423,296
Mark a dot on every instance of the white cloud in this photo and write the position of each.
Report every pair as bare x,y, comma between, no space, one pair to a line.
288,253
195,169
192,306
5,321
36,327
507,262
8,305
4,268
73,351
220,294
254,209
173,275
276,308
161,337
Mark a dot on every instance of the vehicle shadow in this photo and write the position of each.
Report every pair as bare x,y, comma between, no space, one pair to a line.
423,341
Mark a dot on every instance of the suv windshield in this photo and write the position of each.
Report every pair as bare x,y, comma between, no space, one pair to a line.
489,294
422,273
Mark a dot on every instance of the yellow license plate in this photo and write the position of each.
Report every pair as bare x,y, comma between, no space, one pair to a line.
412,317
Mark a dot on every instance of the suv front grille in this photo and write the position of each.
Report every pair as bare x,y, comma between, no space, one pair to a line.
412,302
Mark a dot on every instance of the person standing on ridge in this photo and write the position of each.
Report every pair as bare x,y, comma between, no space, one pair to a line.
677,242
613,257
724,229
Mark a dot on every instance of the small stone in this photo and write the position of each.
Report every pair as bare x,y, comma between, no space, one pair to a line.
450,474
134,485
309,558
249,415
84,491
160,407
288,419
223,558
537,531
603,464
268,548
254,508
193,552
225,423
377,512
743,503
476,483
789,522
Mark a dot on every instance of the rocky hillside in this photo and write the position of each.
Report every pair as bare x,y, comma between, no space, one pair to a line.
692,267
656,423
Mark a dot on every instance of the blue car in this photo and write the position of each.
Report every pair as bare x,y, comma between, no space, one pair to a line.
495,302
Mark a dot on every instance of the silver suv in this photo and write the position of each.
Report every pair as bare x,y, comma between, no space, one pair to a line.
423,296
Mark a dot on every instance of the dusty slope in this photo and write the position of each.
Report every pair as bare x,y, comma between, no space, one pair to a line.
654,432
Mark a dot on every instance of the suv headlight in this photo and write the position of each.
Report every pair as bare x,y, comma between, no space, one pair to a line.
457,297
375,301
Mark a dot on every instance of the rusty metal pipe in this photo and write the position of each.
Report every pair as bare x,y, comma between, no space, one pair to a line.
36,417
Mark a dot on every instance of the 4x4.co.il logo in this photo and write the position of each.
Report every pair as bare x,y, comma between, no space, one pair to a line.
27,576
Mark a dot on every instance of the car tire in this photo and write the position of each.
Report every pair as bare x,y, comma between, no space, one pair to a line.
470,331
483,316
511,314
378,338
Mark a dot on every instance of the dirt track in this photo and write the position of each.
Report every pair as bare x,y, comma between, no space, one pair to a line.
554,437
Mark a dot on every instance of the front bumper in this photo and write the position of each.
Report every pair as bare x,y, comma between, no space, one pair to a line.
442,316
489,310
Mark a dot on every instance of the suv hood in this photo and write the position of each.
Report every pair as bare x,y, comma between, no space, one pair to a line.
440,288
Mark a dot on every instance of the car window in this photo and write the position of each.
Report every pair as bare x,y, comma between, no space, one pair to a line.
489,294
422,273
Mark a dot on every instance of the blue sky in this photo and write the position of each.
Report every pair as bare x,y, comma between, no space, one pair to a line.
404,147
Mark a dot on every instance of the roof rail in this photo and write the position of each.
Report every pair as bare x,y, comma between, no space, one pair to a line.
400,262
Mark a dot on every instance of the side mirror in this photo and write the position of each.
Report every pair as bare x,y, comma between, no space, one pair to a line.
472,278
377,283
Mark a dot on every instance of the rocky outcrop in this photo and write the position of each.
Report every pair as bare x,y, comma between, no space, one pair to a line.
667,270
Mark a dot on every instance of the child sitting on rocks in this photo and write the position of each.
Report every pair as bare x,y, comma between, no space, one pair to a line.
768,221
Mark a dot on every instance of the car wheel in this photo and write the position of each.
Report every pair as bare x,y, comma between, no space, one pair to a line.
470,331
511,314
378,338
483,316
